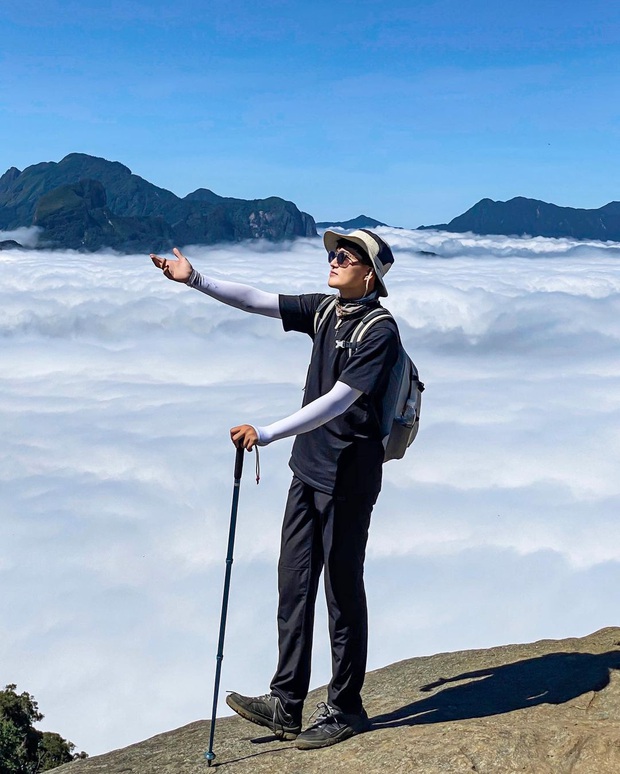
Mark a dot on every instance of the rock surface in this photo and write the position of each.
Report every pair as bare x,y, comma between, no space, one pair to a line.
76,217
549,707
10,244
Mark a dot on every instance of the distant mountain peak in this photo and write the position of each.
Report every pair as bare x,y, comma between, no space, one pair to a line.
8,178
521,216
203,195
361,221
85,158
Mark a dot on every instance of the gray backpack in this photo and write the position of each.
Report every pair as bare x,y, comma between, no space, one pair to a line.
403,396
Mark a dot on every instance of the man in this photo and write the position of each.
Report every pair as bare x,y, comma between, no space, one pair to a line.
337,465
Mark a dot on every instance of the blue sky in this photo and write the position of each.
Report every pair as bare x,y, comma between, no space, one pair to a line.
408,112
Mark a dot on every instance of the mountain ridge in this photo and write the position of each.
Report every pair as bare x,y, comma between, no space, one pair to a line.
361,221
521,216
120,210
88,203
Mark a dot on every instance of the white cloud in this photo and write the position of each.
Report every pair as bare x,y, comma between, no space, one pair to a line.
27,236
117,392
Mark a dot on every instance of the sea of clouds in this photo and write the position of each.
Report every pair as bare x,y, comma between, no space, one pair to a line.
118,389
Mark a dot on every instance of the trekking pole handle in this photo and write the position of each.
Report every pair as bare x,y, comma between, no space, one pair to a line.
239,463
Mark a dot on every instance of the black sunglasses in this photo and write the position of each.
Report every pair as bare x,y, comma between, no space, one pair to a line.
341,257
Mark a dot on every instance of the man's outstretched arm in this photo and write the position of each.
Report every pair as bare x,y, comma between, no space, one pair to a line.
311,416
235,294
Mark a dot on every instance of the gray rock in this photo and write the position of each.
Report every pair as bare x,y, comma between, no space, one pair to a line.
549,707
10,244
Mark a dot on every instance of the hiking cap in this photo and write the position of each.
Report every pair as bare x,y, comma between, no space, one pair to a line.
375,248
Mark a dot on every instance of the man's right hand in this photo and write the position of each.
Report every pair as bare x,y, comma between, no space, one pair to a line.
244,435
179,270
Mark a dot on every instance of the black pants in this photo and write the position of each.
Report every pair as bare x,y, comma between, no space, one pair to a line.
330,532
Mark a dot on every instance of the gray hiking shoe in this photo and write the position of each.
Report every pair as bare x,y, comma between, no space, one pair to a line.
330,727
265,711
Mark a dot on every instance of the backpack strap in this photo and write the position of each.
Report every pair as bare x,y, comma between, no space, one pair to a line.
374,316
322,311
369,320
325,308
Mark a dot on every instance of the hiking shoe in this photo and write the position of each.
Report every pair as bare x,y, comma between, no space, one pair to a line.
265,711
330,727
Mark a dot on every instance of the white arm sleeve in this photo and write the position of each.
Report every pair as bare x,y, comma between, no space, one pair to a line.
234,294
315,414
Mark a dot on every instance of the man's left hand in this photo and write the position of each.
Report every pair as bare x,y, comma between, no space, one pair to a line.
244,435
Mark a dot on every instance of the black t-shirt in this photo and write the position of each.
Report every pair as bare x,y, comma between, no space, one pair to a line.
345,454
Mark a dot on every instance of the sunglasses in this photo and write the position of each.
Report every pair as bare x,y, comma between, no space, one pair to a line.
342,258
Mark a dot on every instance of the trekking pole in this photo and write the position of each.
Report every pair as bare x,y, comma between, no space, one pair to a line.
210,755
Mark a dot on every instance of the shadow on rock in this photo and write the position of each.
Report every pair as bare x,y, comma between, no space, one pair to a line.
552,679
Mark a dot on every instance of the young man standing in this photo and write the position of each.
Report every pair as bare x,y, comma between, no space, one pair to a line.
337,465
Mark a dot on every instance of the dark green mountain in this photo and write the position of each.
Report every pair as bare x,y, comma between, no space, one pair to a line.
362,221
77,216
521,216
85,202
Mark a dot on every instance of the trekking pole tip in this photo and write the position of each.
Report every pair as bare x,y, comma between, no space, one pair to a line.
210,756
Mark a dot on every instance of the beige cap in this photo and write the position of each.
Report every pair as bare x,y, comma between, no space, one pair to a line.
377,250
